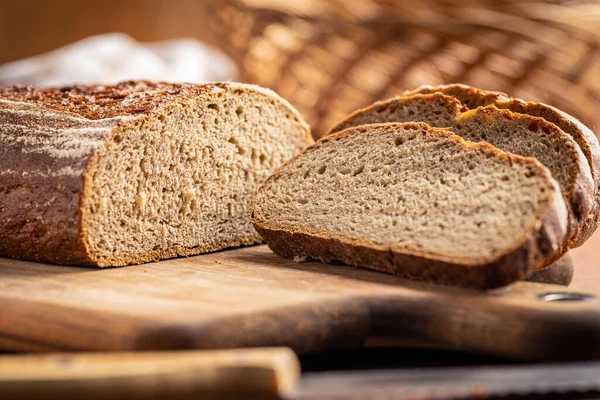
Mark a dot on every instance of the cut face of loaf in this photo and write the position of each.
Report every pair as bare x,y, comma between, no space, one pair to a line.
140,171
415,201
516,133
585,138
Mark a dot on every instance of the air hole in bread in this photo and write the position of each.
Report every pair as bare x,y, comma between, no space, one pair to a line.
358,170
533,126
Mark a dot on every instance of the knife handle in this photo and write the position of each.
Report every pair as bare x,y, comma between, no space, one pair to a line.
262,373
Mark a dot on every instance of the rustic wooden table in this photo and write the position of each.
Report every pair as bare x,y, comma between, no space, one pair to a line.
385,367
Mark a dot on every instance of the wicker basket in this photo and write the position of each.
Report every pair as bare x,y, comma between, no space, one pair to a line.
330,57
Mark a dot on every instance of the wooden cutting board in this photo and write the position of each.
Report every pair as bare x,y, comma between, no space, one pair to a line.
250,297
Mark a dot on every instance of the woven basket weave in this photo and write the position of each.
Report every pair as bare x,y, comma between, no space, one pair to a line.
330,57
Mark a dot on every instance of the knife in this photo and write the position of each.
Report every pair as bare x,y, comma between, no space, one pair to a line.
239,373
571,380
272,373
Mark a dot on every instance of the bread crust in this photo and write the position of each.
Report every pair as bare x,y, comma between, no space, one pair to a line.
580,199
583,136
50,140
538,249
41,181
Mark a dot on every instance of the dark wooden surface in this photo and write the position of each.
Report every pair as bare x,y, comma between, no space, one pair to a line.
250,297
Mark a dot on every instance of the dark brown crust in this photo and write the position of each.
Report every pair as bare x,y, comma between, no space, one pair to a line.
539,248
30,234
580,200
41,213
583,136
129,98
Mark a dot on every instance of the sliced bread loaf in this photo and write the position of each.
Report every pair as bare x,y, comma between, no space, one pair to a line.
140,171
416,201
585,138
516,133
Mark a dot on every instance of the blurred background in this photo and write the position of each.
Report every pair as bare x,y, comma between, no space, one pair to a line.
328,57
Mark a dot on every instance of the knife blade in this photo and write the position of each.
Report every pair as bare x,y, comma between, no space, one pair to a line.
574,379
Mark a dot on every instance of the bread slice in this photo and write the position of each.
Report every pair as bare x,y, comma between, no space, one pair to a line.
516,133
416,201
140,171
585,138
559,273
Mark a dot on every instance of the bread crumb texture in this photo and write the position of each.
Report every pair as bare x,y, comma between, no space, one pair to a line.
412,189
157,170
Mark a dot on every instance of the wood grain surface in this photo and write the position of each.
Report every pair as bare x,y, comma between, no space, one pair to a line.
253,373
250,297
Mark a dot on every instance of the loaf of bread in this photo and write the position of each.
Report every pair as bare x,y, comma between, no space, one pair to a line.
513,132
140,171
416,201
583,136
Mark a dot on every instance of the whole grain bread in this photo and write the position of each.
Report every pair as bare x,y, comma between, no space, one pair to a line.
139,171
513,132
416,201
585,138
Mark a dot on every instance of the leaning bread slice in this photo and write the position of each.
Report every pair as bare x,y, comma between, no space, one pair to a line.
115,175
516,133
415,201
583,136
559,273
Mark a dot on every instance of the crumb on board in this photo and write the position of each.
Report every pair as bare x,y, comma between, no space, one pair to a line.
300,259
145,269
218,262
